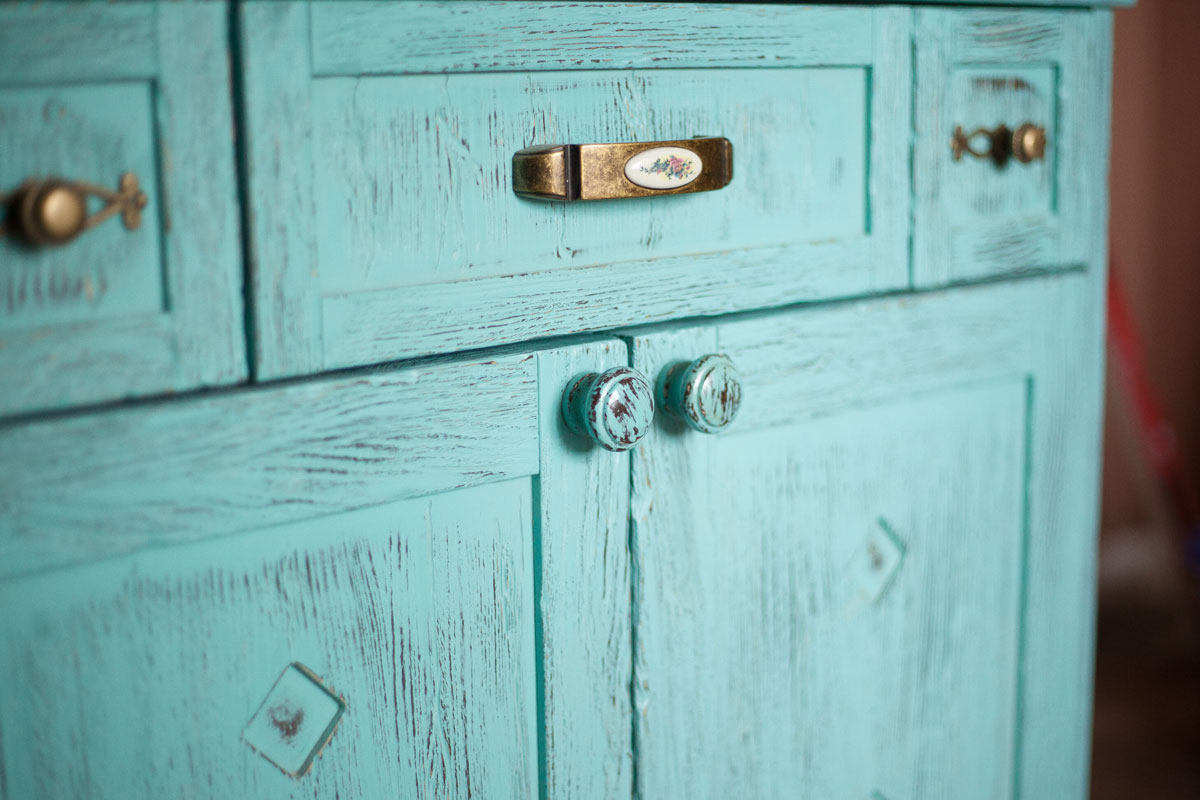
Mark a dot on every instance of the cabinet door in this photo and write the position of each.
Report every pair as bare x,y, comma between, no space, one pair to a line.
137,305
379,585
877,583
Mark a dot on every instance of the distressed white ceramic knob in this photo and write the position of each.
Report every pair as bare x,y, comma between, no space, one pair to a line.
706,393
613,408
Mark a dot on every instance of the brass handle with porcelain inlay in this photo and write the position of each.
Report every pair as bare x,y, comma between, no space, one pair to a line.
1026,144
568,172
53,211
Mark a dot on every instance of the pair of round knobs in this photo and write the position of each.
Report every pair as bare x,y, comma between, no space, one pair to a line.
615,408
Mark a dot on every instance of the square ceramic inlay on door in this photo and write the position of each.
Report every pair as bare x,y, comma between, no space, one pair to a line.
878,561
295,721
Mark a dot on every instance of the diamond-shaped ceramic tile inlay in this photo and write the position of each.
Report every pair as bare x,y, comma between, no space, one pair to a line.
295,721
878,561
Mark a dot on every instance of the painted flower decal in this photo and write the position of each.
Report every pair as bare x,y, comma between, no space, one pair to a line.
672,166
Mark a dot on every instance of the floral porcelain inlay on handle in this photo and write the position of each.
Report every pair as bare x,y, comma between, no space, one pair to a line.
664,167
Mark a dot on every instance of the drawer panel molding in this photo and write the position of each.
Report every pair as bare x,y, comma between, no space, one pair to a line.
1045,70
89,93
363,118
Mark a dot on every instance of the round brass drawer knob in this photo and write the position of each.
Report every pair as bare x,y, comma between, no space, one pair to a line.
613,408
705,393
52,212
1029,143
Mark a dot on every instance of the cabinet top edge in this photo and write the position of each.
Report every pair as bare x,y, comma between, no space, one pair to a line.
517,4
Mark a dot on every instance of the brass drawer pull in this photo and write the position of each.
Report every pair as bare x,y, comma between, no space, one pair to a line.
53,211
623,169
1027,143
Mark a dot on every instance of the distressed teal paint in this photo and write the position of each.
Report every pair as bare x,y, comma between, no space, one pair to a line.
968,421
135,677
983,68
356,144
583,595
99,485
86,93
878,583
423,539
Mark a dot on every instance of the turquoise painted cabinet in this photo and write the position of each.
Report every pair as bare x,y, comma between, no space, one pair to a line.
369,120
872,583
786,489
89,93
427,547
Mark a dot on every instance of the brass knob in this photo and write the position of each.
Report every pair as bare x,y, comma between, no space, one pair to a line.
1029,143
53,211
705,393
612,408
1026,144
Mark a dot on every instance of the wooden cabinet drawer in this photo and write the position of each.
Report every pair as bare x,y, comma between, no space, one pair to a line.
981,216
166,566
89,93
384,224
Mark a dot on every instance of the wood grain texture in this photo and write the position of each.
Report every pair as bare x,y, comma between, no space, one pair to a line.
119,313
278,155
352,38
973,219
394,149
1038,343
49,43
583,597
135,678
394,152
86,487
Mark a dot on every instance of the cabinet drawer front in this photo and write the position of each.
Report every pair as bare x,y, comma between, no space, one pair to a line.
994,212
1006,209
385,224
128,307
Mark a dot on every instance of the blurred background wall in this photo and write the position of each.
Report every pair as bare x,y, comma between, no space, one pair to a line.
1155,224
1147,724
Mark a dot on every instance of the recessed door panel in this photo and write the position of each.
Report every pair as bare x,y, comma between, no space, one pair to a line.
869,584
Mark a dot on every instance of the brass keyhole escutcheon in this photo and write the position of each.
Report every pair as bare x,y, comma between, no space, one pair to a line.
47,212
1026,144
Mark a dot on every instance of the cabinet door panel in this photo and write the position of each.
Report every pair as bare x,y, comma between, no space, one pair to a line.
89,92
138,676
873,582
191,590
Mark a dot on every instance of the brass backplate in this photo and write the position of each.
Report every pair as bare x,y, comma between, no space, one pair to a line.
568,172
